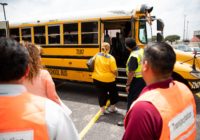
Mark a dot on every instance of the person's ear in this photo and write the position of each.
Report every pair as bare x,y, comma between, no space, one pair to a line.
145,65
27,71
25,74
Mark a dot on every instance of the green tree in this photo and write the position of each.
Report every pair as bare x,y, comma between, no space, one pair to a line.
172,38
153,39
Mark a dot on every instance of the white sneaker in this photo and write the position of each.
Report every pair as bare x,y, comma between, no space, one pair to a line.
113,110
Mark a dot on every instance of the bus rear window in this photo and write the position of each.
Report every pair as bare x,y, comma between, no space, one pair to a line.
89,32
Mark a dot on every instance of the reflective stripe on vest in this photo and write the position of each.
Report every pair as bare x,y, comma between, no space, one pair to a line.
177,108
139,55
23,117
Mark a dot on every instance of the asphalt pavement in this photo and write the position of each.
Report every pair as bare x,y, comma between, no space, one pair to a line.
83,102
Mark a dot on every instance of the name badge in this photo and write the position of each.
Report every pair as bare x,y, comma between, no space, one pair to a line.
181,122
19,135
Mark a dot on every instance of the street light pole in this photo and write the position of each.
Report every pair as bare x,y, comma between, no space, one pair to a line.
6,22
184,28
187,36
4,4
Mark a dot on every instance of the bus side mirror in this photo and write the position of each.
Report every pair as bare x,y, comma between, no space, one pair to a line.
160,25
159,37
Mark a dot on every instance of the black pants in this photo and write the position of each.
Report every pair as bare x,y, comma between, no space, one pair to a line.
106,91
136,86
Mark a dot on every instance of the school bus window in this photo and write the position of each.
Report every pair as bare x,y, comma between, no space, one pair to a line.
26,34
70,33
39,35
14,33
89,32
142,32
2,32
54,34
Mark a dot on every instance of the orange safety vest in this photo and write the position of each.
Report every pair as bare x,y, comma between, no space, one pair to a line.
177,108
23,117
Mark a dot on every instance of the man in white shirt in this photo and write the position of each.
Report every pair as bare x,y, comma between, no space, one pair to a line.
24,115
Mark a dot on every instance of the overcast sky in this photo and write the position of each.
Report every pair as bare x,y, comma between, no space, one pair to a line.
170,11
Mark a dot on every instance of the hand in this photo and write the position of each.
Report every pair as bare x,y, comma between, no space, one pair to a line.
127,89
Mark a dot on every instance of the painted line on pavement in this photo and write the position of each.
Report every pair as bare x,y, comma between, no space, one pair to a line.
92,122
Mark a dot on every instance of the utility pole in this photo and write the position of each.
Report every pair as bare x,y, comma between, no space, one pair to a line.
187,37
184,28
4,4
5,23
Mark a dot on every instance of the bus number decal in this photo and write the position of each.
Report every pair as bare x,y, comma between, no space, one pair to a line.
80,51
195,85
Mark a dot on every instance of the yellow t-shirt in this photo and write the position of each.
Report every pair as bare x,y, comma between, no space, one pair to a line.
104,68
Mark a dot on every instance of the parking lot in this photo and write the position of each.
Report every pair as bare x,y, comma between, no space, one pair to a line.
83,102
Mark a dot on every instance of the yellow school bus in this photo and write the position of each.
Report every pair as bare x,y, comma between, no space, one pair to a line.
68,43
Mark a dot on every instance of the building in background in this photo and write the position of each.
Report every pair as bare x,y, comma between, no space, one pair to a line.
195,41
